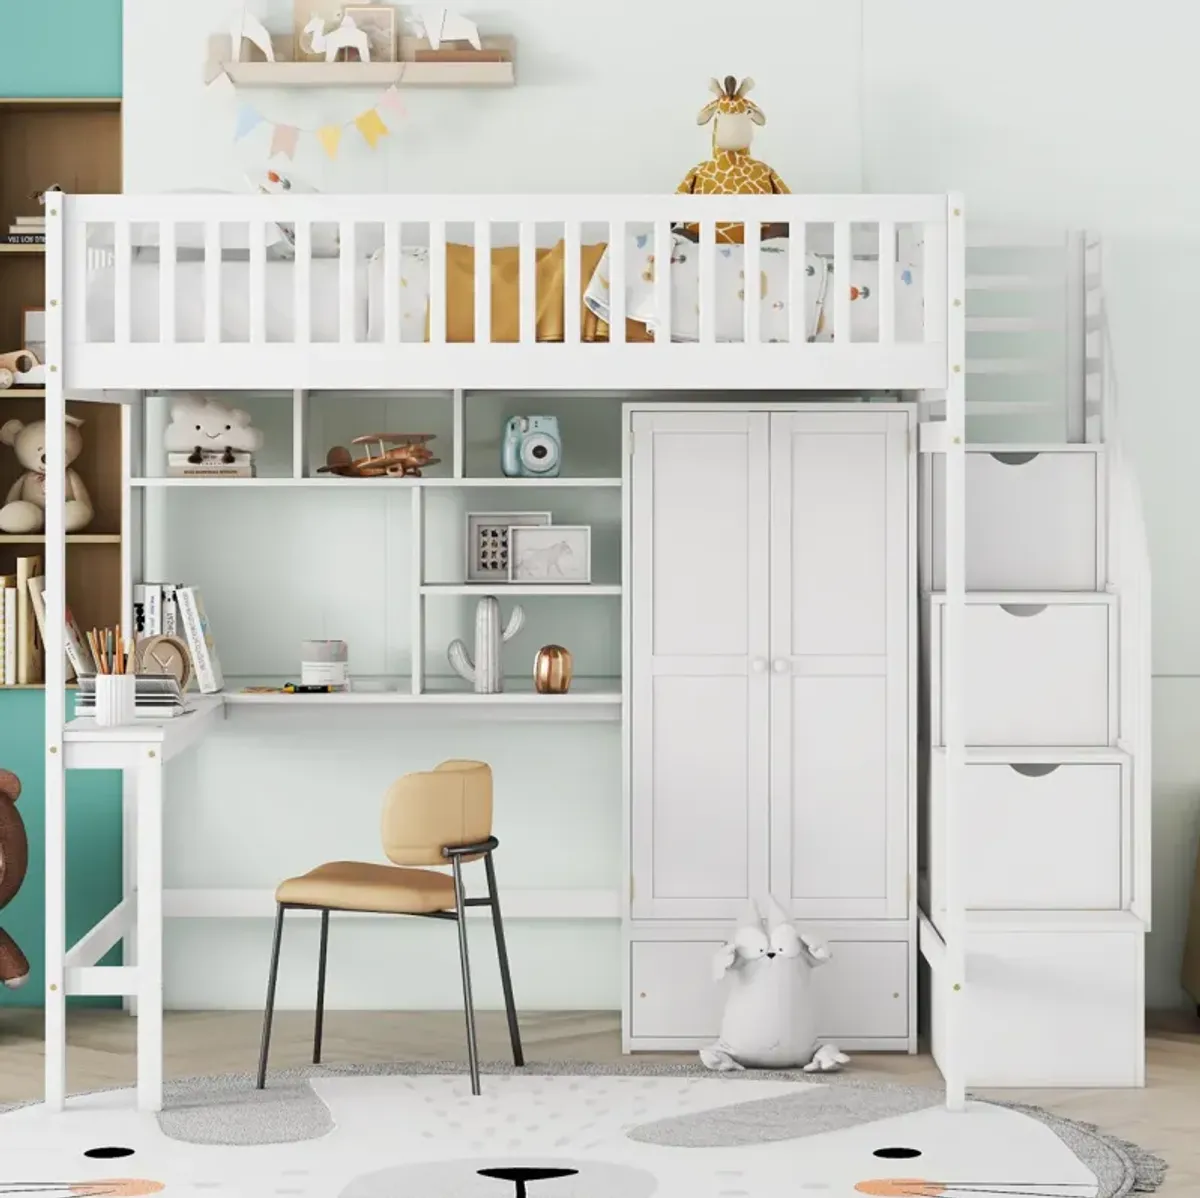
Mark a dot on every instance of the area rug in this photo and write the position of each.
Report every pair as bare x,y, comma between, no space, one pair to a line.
570,1131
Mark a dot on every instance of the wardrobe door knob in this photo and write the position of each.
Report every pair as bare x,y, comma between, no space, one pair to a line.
782,665
759,665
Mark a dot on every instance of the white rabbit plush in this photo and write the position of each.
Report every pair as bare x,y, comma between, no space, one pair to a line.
770,1019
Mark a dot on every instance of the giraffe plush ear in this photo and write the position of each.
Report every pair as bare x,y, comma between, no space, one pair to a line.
716,87
707,113
756,114
745,87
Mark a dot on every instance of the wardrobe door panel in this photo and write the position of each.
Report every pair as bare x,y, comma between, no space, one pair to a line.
841,560
698,584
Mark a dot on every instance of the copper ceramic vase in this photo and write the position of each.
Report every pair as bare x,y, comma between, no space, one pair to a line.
552,670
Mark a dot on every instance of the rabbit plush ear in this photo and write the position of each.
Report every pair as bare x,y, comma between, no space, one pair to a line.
723,961
776,916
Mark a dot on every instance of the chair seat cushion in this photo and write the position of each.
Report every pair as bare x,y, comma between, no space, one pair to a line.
360,886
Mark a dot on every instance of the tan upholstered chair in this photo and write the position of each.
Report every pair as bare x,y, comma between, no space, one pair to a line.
429,818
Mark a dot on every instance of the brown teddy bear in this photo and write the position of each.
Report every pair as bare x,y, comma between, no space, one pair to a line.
14,859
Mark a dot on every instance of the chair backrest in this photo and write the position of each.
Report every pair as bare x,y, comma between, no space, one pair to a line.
426,812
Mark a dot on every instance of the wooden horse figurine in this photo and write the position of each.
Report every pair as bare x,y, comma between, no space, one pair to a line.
346,36
246,26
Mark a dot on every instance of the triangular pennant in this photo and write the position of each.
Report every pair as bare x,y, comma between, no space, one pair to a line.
370,126
330,137
247,119
392,102
283,141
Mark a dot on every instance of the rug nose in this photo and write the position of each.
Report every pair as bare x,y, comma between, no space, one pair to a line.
901,1187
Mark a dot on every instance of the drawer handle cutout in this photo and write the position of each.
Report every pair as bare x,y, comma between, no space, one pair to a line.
1014,459
1030,769
1024,610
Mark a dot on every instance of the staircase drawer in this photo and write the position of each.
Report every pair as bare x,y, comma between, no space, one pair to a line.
1034,836
1033,520
1035,673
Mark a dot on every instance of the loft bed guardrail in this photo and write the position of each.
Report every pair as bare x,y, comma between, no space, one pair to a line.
185,291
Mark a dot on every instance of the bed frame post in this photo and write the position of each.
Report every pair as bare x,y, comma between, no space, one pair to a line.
55,558
954,616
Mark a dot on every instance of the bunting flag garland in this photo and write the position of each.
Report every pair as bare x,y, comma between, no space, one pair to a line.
285,139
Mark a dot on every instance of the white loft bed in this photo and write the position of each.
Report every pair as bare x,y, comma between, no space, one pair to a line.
163,321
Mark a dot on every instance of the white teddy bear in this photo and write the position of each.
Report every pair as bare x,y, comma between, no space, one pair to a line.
770,1019
24,509
200,426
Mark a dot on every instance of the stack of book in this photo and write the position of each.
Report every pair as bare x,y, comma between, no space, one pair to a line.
27,230
213,463
171,609
22,629
157,697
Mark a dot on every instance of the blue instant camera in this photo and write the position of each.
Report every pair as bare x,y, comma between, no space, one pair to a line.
532,447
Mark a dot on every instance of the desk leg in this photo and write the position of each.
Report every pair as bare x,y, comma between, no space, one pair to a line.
129,879
56,932
149,933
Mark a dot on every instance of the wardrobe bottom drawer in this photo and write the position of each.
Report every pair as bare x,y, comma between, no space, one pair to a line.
862,991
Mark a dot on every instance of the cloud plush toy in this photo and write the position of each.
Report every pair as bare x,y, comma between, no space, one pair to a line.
200,426
770,1019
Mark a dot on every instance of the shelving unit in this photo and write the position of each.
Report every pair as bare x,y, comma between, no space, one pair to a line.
75,143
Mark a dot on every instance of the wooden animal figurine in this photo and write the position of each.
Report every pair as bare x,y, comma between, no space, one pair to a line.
407,454
346,36
439,25
246,26
14,860
483,672
731,170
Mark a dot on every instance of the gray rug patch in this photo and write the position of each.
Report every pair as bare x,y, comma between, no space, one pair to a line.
813,1111
228,1111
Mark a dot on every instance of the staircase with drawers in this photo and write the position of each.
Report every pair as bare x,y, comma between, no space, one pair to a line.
1053,815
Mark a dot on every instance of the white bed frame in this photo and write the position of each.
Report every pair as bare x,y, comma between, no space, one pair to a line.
934,369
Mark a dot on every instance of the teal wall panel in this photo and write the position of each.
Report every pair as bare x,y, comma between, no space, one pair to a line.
93,843
61,48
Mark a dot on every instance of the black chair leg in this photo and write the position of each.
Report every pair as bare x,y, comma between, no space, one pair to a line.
320,1023
460,907
510,1006
269,1013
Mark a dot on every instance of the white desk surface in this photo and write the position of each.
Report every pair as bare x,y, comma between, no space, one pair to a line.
90,746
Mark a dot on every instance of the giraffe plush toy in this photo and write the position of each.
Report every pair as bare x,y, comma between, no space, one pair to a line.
731,170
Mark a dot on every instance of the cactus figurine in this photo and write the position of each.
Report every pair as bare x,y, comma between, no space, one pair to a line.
484,671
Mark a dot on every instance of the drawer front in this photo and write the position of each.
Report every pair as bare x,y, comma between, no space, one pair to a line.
1037,837
862,991
1032,521
1036,675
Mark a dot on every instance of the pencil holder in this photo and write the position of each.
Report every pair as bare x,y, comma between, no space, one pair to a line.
116,696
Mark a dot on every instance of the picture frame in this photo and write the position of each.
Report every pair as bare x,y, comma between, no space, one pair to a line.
488,542
555,554
33,332
378,22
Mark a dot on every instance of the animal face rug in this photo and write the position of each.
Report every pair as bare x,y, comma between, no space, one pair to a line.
557,1132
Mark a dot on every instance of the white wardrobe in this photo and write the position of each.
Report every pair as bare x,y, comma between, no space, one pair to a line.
770,717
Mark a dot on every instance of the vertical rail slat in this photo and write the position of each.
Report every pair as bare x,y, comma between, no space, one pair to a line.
212,282
1075,340
887,282
392,255
258,282
299,431
616,282
302,295
527,256
347,333
708,277
75,299
663,245
798,272
121,286
437,282
166,282
572,284
842,257
417,632
934,303
752,282
483,282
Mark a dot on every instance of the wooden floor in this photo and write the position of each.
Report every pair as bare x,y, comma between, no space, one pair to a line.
1164,1117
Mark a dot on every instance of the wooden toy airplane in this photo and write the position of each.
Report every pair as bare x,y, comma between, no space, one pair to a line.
396,455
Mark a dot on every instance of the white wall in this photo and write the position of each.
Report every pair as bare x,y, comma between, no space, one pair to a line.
1079,113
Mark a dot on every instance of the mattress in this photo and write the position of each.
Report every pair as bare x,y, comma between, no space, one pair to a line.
279,301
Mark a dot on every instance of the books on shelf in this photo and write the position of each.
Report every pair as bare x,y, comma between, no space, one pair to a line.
23,238
29,641
197,632
80,662
8,624
212,464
